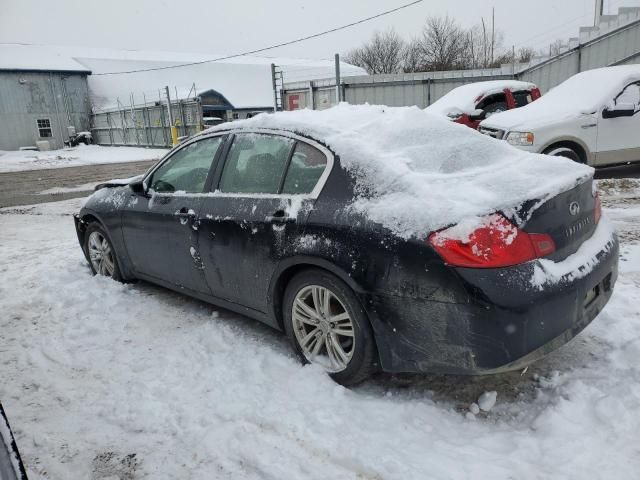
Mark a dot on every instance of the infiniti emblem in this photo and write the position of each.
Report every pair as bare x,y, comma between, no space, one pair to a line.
574,208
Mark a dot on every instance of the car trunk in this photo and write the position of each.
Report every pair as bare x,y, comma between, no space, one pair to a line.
569,218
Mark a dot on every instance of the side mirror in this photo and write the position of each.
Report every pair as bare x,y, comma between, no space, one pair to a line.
619,110
478,114
137,187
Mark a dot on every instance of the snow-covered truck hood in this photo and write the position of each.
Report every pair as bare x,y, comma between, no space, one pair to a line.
416,173
464,99
583,94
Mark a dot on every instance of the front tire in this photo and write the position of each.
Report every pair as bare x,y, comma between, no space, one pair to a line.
326,325
564,151
100,253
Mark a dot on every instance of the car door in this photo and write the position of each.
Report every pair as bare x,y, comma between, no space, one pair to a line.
619,138
160,227
259,206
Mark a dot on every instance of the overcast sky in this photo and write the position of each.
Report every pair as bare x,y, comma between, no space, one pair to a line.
231,26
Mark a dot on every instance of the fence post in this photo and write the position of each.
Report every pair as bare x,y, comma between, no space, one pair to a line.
109,123
338,92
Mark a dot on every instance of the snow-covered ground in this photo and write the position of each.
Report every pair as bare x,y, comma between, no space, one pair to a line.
103,380
17,161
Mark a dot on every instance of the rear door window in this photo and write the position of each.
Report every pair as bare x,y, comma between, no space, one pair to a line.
255,164
306,167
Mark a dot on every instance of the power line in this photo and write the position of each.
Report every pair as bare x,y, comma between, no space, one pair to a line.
284,44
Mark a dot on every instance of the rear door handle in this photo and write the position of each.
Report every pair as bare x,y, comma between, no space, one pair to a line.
590,125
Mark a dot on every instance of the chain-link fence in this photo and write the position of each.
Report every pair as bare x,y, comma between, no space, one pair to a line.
146,125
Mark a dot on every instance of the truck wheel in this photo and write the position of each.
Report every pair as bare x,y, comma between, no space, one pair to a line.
564,151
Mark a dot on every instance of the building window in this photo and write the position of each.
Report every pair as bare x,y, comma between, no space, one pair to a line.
236,115
44,128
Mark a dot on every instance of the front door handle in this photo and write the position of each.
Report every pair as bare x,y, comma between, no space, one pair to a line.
185,215
590,125
280,217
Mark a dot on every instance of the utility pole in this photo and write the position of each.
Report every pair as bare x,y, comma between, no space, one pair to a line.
493,32
338,89
174,130
599,12
275,87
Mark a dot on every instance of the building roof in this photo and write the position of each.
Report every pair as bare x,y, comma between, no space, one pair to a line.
16,57
245,81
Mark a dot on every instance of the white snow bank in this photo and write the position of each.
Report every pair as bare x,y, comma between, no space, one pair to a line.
85,187
584,93
417,172
17,161
579,264
93,369
464,99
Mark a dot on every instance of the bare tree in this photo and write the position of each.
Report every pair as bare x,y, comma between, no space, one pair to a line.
413,57
444,44
384,53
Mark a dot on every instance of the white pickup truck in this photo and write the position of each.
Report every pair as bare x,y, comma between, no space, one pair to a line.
593,118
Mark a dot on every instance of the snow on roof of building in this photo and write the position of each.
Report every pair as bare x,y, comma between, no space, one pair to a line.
463,99
245,81
419,172
36,58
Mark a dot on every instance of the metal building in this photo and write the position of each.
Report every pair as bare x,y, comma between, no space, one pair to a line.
40,98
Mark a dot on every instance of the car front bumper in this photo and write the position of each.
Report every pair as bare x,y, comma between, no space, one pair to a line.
504,322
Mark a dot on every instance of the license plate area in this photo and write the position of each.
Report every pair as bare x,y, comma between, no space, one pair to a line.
591,296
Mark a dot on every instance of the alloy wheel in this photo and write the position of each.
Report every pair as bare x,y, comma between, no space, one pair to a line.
100,254
323,328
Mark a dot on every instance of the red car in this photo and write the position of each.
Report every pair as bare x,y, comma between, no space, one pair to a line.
472,103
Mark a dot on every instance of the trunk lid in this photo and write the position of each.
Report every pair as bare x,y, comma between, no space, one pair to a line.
569,218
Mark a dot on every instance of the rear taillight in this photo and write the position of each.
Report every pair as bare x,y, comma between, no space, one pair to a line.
597,209
496,243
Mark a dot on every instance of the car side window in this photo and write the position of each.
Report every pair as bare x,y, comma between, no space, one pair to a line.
306,168
630,96
187,169
255,164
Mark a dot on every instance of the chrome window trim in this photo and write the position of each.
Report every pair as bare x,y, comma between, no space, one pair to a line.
313,195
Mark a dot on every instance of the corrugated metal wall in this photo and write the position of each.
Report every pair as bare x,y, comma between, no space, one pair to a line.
617,47
146,125
25,97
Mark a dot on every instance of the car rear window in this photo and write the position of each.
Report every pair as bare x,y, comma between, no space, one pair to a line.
306,168
255,164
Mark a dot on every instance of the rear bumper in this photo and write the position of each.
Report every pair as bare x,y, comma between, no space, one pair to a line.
504,323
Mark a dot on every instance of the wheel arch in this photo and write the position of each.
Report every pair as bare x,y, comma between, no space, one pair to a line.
90,216
288,268
574,144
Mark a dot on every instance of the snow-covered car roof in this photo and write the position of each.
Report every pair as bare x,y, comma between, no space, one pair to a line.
416,172
585,92
463,99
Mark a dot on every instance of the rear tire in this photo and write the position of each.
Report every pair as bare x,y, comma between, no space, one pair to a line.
326,325
100,253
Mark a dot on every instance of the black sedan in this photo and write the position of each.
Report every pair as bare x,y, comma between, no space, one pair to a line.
11,467
265,222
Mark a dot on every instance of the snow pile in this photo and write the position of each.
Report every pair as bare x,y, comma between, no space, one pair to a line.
579,264
103,380
416,172
465,98
584,93
17,161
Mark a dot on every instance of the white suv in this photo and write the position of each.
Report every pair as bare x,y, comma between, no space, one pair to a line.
593,118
